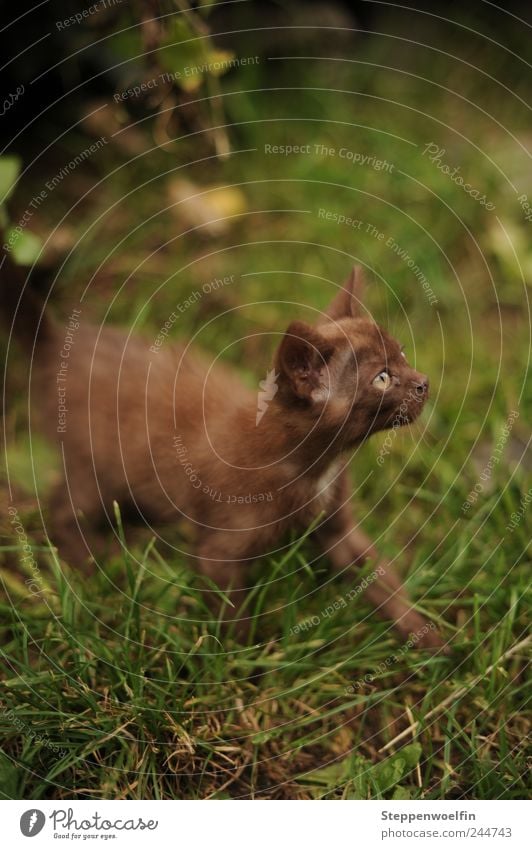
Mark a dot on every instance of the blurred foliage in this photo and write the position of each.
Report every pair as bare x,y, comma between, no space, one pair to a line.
25,244
170,204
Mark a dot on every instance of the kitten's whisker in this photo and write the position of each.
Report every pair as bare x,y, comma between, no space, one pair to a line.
421,434
412,437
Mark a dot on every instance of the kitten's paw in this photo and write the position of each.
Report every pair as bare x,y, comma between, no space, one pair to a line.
421,634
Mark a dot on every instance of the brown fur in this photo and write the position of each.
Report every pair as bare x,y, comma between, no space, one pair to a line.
144,428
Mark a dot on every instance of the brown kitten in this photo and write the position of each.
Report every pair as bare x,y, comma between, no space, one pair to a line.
166,433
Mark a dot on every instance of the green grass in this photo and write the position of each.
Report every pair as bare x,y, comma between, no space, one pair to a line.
119,670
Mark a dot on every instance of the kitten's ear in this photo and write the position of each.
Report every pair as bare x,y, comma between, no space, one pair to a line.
302,358
347,303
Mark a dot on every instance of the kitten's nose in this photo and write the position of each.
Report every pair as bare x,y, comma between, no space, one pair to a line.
421,385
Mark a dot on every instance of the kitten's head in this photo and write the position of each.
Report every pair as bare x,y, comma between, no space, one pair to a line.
349,372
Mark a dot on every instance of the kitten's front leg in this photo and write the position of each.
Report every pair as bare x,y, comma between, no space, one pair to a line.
222,558
347,547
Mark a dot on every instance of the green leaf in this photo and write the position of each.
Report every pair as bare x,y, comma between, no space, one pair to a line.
9,170
26,246
402,794
411,754
389,773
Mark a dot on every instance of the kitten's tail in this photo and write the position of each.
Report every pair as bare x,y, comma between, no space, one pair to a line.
21,307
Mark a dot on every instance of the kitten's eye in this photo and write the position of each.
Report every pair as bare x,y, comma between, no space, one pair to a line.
382,381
